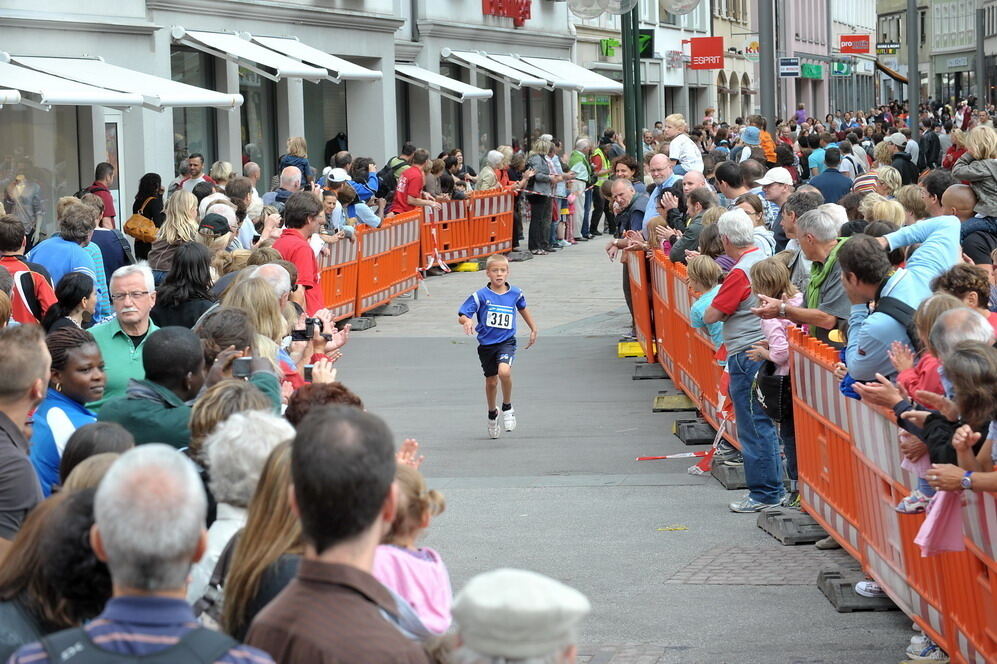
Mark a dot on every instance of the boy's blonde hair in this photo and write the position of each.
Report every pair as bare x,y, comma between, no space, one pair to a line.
887,210
713,215
678,120
414,502
889,179
771,277
704,271
910,197
496,258
297,146
981,142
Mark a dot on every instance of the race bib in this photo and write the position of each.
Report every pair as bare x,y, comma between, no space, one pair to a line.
500,317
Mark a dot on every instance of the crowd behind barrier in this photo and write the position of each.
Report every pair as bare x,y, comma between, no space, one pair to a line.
850,472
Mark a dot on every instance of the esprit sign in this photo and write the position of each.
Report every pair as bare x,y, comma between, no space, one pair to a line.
518,10
707,53
854,43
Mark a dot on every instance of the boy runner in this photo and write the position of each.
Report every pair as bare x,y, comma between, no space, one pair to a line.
495,308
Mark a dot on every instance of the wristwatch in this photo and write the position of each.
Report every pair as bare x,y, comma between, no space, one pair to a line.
967,480
782,310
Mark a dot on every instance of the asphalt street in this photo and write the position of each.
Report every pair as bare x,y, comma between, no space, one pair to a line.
673,576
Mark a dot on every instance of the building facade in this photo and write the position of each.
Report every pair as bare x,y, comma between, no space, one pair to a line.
892,66
990,50
803,31
953,50
736,84
853,74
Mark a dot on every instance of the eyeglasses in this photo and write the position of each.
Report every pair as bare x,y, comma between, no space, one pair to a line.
120,297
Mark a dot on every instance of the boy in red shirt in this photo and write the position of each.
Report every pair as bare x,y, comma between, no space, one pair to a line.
303,216
409,194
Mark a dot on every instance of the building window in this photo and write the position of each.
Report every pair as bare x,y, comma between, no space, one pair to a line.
40,164
258,131
194,129
595,111
487,120
532,114
402,104
452,112
325,119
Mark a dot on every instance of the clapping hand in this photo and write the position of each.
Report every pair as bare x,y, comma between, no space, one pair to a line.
901,356
408,454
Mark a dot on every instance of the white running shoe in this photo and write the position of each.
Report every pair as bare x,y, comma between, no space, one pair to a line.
509,419
494,428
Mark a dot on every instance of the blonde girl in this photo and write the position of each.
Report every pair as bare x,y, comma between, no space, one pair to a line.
417,575
705,277
978,167
179,228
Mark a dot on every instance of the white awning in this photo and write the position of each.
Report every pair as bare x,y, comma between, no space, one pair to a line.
238,49
159,93
588,81
10,97
447,87
338,68
517,78
46,91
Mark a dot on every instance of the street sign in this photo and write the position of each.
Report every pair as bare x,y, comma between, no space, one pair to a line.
752,51
789,67
707,53
608,46
813,71
887,48
646,39
854,43
841,69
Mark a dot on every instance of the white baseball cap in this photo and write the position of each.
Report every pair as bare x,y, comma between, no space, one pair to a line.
897,139
777,174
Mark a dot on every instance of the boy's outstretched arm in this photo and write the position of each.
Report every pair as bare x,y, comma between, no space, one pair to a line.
533,326
467,323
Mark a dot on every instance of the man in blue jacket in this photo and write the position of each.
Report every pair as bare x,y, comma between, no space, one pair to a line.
832,183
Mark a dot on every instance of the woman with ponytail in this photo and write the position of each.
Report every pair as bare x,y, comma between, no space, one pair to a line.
76,301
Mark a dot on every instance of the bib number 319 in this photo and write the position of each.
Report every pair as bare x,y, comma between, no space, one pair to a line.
499,318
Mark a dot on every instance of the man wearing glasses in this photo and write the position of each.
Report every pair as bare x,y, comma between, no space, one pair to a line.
121,339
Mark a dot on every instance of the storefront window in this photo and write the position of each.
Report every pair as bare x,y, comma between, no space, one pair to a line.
452,112
259,141
193,128
39,162
325,121
596,110
402,106
532,113
487,127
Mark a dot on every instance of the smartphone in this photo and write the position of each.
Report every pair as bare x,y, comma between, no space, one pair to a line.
308,372
242,367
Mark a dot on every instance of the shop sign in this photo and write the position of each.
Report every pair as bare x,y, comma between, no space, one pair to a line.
789,67
518,10
841,69
707,52
646,39
752,51
608,47
854,43
812,71
594,100
674,59
957,63
887,48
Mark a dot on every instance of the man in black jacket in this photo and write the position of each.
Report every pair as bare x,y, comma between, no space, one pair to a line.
930,146
902,160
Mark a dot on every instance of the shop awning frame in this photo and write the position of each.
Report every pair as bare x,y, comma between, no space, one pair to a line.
553,82
239,48
10,97
449,88
158,93
584,80
492,68
47,91
898,77
337,68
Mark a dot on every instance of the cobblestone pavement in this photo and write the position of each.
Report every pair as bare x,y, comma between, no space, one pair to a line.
760,565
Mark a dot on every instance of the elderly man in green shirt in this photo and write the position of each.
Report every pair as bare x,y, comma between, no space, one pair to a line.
133,293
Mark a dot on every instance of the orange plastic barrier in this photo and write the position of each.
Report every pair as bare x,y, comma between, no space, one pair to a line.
445,234
640,292
388,260
489,215
338,279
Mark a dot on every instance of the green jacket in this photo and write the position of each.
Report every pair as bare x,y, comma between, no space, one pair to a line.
122,358
599,161
155,414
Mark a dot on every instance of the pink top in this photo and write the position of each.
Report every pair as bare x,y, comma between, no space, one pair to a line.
421,578
923,376
776,333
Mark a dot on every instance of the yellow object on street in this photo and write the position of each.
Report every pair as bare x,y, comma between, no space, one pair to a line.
467,267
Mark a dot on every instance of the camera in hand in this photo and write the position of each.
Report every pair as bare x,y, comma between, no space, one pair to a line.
242,367
308,332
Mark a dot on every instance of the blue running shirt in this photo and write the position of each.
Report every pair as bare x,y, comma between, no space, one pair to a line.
496,313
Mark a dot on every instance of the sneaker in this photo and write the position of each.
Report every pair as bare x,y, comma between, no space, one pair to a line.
827,544
791,500
915,503
736,460
563,243
494,428
869,589
918,642
724,451
748,505
926,653
595,234
509,419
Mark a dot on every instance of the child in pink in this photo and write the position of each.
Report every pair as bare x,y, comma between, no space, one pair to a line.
418,575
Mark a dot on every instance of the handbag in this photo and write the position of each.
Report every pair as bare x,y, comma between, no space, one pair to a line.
774,392
141,227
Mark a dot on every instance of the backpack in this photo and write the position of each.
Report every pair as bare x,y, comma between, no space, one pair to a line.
388,176
198,646
903,313
91,189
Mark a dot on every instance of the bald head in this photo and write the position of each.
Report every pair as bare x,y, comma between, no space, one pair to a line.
252,171
290,178
959,200
693,180
623,193
660,168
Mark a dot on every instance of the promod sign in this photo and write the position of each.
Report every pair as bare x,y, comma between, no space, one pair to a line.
519,11
854,43
707,53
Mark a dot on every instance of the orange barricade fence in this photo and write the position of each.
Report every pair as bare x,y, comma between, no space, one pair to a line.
640,291
388,259
850,473
445,234
489,216
338,273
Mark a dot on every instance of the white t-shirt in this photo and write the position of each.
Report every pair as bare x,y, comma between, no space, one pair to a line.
685,152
